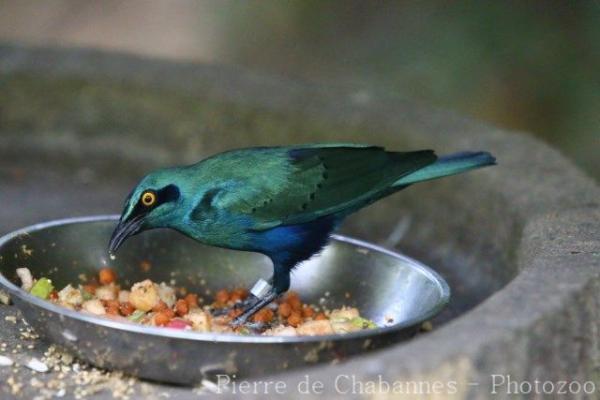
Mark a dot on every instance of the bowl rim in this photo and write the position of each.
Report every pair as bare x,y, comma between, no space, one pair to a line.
440,283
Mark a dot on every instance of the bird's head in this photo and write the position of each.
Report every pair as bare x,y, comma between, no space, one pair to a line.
153,203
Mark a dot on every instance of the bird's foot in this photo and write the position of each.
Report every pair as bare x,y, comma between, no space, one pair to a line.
247,302
255,327
252,309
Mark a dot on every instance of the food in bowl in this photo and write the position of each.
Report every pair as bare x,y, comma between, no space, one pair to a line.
161,305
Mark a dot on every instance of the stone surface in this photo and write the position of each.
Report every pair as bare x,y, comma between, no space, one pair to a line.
519,243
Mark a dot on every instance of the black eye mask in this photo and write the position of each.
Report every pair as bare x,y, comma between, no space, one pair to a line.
165,195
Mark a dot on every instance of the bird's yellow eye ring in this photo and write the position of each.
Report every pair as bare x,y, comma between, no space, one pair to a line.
148,199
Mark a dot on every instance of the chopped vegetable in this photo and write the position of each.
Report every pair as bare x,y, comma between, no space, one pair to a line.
86,295
42,288
136,316
363,323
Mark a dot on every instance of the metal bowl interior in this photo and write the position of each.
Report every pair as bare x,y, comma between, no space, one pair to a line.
394,291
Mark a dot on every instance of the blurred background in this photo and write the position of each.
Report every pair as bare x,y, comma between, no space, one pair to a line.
531,66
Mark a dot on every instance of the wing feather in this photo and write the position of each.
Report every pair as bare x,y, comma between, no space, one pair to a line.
309,182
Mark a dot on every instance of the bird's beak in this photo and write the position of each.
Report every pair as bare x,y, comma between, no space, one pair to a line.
124,229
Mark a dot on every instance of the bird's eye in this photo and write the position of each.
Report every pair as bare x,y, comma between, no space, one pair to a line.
148,199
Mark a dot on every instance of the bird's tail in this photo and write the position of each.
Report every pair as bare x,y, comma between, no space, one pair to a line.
449,165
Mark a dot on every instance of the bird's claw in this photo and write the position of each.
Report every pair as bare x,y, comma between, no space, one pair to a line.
239,305
255,327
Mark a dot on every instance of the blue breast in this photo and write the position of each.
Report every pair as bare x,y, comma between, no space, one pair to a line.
288,245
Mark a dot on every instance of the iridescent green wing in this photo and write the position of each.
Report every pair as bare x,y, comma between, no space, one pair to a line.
300,184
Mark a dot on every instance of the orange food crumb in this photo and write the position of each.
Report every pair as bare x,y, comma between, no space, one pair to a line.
240,293
295,303
320,316
292,295
181,307
126,309
308,312
265,315
53,295
234,313
90,288
162,318
145,265
294,319
191,299
112,307
161,306
222,296
107,276
284,310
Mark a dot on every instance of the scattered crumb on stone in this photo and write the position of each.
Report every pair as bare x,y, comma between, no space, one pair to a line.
426,326
4,298
36,365
5,361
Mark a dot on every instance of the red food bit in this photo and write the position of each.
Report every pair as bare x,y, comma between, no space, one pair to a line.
53,295
177,323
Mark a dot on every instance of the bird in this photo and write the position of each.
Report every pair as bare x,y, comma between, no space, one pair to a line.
281,201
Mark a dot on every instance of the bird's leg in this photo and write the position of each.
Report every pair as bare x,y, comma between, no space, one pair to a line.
260,289
280,284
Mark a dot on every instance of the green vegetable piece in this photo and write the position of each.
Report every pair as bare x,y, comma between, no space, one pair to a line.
244,331
363,323
86,295
42,288
136,316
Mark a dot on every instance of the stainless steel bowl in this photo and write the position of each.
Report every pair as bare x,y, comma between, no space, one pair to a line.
394,291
